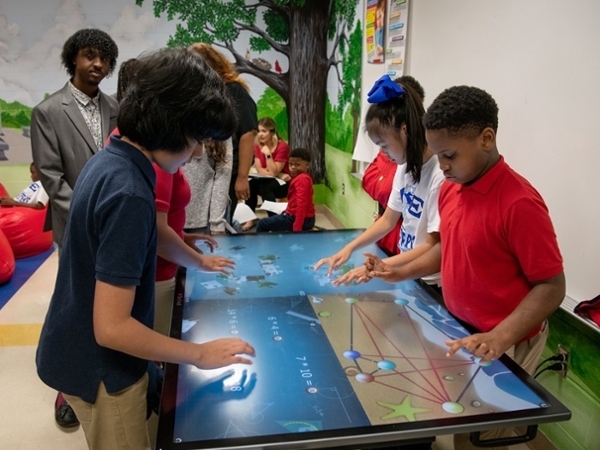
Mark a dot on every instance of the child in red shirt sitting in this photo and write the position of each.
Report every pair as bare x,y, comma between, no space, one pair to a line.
300,212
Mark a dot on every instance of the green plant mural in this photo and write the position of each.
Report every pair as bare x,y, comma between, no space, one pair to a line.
14,114
299,29
270,104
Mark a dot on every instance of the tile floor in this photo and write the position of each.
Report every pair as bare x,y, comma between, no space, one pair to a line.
26,412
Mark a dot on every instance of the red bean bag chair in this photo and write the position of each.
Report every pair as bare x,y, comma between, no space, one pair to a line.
378,181
24,229
3,191
7,259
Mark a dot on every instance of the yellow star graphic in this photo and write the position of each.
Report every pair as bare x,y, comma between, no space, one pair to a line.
403,409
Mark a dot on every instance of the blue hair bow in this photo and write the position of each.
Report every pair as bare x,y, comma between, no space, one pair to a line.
384,89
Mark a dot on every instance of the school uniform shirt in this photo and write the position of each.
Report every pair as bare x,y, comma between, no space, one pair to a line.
110,237
497,239
172,196
300,200
33,194
418,203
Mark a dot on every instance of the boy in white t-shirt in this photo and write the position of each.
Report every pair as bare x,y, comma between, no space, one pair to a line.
33,196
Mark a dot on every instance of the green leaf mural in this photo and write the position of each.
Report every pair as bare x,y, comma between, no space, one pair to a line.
14,114
270,104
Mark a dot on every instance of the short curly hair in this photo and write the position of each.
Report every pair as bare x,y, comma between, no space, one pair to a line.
89,38
301,153
462,110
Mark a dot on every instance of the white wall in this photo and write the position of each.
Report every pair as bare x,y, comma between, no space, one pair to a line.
540,60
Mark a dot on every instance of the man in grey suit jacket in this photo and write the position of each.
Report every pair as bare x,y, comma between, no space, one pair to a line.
67,129
69,126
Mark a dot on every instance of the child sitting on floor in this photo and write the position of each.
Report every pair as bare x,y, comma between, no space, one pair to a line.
33,196
300,212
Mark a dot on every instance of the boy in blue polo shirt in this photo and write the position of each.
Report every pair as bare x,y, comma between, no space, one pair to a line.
97,337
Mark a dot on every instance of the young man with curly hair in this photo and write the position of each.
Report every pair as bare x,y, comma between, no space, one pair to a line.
67,128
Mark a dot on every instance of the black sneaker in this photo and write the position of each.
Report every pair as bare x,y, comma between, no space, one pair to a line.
64,414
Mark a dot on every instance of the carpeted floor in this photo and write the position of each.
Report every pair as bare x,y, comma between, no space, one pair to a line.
25,267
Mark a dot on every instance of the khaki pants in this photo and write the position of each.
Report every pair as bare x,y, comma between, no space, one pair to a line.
115,421
163,305
526,354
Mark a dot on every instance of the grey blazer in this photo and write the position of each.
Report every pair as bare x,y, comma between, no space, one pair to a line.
61,144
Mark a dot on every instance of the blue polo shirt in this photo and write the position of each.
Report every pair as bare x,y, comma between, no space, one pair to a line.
111,237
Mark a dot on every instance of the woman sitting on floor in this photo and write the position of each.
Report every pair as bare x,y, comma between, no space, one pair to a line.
271,154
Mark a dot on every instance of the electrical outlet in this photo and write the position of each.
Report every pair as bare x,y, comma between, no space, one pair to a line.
343,188
565,353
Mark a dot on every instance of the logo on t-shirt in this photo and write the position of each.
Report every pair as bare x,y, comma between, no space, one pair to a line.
27,194
411,204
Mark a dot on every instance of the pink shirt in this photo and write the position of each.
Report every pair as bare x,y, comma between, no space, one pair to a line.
172,196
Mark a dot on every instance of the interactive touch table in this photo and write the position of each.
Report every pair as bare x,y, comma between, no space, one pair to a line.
335,367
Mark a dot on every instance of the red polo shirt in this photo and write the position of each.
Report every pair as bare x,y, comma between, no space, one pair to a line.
172,196
497,239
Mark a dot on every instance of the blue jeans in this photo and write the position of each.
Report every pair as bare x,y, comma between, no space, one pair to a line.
282,222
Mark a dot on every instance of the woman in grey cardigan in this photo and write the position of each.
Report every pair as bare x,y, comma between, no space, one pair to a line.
209,178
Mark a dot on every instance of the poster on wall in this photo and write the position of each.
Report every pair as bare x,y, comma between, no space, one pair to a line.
396,12
375,30
396,38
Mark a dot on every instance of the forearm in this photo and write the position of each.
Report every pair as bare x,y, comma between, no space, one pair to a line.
36,205
7,201
299,218
541,301
173,248
426,264
411,255
134,338
260,169
274,167
376,231
115,328
246,154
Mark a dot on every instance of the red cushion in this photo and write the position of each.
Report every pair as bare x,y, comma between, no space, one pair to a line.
3,191
24,229
7,259
378,179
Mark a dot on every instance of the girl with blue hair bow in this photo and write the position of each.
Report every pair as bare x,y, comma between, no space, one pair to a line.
394,122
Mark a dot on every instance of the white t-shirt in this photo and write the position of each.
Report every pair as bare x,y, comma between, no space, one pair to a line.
418,204
33,194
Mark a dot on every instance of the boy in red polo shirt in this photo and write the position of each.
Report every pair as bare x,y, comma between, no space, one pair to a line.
300,212
500,264
501,267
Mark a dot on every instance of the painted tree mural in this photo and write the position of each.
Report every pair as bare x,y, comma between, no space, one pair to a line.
298,29
351,80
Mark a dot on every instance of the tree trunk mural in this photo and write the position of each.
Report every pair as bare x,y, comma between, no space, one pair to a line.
298,29
308,81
